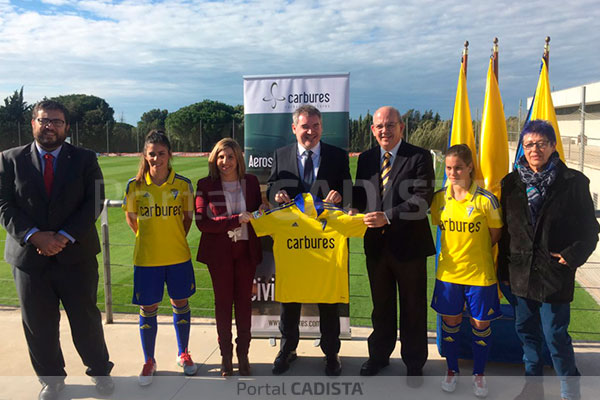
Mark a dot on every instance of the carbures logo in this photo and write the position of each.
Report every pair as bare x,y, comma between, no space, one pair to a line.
460,226
294,98
310,243
160,211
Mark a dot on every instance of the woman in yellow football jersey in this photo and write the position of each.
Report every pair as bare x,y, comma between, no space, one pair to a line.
159,209
470,223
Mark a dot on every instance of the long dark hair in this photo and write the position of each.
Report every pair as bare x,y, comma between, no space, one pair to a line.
155,136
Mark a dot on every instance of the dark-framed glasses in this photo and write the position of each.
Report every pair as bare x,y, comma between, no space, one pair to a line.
58,123
388,126
540,145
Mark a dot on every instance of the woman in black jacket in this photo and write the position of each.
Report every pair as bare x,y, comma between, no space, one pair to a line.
550,229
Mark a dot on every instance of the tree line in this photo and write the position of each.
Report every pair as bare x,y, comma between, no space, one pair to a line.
193,128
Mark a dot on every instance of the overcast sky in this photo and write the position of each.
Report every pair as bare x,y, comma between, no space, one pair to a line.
140,55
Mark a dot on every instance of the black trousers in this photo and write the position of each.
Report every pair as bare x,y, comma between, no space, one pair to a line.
388,276
329,325
40,293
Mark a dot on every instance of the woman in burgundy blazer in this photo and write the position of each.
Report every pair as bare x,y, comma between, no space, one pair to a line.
229,246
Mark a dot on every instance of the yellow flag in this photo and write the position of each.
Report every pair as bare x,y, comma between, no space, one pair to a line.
543,108
462,125
493,146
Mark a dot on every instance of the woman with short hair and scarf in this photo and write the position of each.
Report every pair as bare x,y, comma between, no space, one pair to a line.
550,229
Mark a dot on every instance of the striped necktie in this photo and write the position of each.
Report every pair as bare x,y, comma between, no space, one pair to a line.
386,168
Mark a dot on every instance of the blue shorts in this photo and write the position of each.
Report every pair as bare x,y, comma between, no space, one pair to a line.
149,283
482,302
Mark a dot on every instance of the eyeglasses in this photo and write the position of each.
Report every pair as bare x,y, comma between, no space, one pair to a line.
58,123
388,126
540,145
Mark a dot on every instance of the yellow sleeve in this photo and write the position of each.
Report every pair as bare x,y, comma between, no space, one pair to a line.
349,225
187,198
493,214
129,201
263,223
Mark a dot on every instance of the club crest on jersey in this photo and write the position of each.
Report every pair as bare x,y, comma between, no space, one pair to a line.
470,210
257,214
174,192
323,223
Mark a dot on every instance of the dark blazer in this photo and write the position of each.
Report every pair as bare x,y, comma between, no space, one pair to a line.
334,173
74,205
213,222
566,224
408,235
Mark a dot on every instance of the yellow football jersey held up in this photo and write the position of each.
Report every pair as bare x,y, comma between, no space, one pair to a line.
160,239
466,246
310,249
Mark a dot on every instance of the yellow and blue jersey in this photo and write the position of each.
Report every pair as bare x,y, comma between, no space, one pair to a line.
310,248
466,249
161,238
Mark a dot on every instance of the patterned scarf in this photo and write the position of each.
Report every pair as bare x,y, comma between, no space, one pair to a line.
537,182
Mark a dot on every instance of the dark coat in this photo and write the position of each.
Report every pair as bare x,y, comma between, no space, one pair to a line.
73,206
333,174
213,221
408,236
566,225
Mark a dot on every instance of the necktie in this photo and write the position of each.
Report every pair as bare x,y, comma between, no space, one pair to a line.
386,168
308,171
48,172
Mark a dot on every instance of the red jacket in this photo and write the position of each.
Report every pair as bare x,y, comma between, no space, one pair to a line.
213,222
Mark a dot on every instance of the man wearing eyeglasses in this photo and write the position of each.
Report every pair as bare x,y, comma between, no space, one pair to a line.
394,187
50,196
550,230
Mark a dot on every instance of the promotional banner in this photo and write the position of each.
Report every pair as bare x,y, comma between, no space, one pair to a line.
269,102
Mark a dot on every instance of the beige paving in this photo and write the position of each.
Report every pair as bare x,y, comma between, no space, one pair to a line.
17,380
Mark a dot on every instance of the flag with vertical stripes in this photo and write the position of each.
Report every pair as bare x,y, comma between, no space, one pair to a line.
493,145
542,108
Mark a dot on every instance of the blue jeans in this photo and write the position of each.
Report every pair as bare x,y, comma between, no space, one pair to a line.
552,320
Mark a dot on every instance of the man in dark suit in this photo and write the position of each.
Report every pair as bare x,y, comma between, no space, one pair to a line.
394,186
50,196
309,165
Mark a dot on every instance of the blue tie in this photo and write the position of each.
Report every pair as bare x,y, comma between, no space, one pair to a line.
308,171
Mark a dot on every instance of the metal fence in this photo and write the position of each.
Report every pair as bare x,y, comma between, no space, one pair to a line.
591,283
109,265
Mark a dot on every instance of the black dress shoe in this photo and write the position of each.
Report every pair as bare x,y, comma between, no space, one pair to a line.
414,372
372,367
104,385
333,366
50,391
282,362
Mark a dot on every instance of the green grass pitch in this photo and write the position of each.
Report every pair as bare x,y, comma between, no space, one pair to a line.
585,318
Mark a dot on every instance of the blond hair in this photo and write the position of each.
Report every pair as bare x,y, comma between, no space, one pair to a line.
221,145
